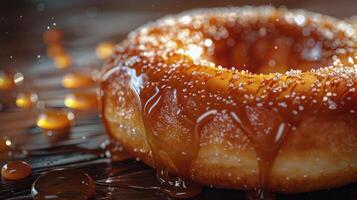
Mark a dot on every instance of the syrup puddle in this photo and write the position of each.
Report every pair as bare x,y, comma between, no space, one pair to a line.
147,180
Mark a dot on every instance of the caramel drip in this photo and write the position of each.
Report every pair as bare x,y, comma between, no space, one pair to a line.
158,132
266,131
165,108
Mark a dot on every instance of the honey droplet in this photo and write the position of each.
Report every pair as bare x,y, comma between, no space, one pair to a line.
52,36
64,184
77,80
15,170
56,124
81,101
5,144
104,50
26,99
6,80
55,119
63,61
55,50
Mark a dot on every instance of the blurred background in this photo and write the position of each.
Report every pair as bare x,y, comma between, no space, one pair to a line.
88,22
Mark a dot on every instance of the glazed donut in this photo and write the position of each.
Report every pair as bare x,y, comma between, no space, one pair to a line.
238,98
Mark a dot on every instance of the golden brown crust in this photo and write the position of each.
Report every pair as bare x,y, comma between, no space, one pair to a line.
169,105
306,161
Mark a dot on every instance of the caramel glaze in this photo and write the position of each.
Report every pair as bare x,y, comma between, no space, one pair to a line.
234,79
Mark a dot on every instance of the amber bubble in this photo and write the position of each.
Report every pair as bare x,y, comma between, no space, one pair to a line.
64,184
56,124
55,50
6,80
104,49
52,36
6,144
77,80
26,99
81,101
54,119
15,170
63,61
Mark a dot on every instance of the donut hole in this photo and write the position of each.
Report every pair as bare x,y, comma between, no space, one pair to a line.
274,47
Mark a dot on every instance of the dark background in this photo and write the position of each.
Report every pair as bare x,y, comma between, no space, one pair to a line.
87,22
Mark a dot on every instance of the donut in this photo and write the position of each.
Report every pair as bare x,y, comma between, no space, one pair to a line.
239,98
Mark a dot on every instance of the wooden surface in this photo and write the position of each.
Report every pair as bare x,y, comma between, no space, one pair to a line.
85,24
